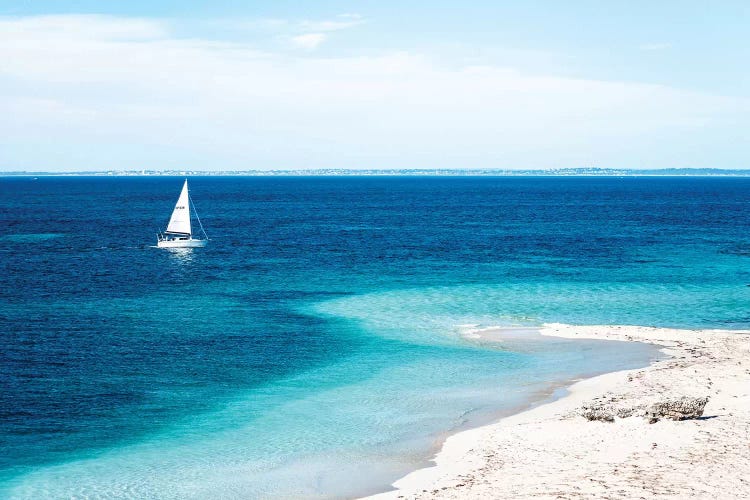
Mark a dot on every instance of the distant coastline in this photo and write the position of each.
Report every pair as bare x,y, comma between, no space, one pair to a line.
332,172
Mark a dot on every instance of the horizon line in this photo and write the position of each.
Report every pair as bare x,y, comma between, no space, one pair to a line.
424,172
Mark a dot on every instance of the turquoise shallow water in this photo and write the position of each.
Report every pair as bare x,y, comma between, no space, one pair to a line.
314,348
347,428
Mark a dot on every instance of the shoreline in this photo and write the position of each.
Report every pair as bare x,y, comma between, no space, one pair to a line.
516,339
551,451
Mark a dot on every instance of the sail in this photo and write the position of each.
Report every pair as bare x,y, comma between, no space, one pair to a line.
180,221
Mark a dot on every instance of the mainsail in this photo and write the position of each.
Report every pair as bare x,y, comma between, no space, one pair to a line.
180,221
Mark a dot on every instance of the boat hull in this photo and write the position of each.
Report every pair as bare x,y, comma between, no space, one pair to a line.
190,243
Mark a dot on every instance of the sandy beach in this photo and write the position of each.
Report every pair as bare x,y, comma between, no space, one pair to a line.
553,451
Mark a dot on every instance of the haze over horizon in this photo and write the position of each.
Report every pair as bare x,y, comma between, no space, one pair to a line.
87,86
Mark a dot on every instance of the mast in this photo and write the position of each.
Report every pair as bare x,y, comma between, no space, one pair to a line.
179,223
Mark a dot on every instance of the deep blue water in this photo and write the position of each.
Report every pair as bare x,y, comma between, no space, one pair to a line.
321,325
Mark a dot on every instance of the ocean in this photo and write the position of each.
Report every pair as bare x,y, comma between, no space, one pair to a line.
314,348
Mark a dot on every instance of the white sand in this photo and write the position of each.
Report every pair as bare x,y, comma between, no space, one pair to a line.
552,452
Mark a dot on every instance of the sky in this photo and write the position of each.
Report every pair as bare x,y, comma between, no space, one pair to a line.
264,85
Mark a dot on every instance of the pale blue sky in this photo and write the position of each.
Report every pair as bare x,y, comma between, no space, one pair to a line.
93,85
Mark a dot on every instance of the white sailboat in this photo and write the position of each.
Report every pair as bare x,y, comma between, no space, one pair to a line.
179,233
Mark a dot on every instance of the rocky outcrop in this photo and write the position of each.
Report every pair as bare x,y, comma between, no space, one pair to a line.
598,411
605,409
676,409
